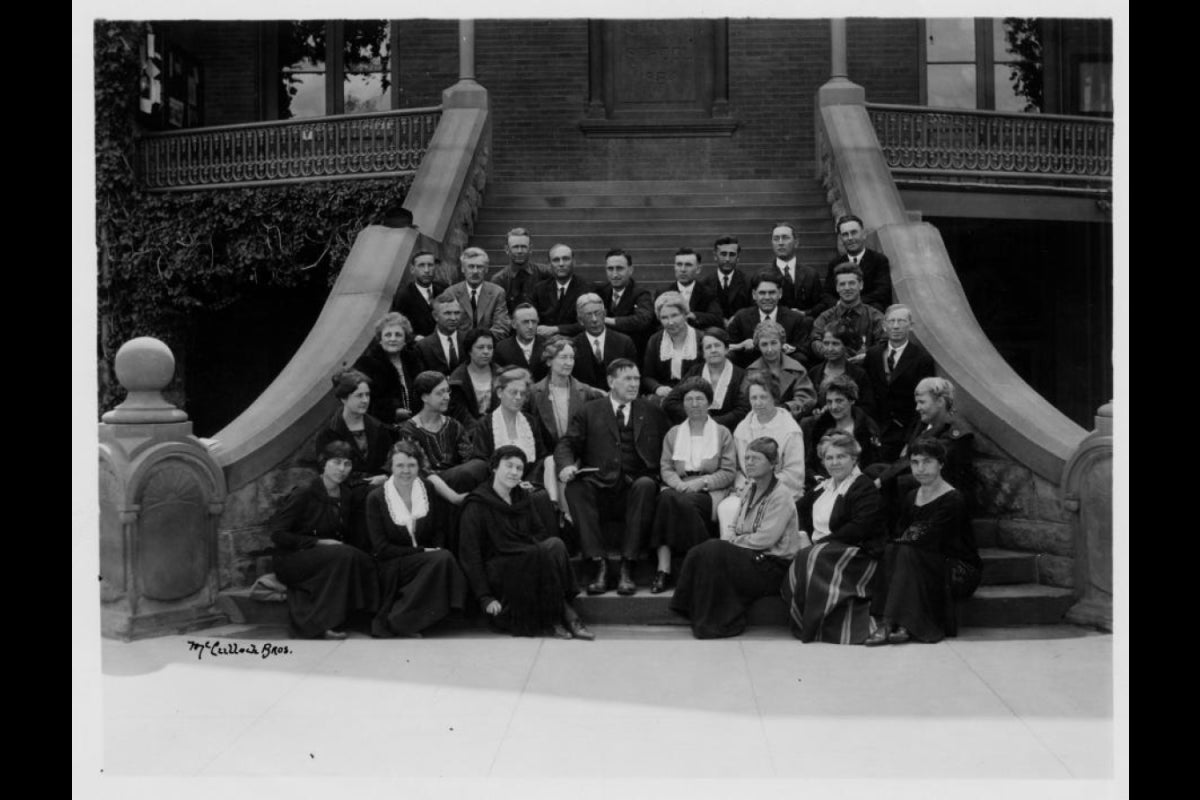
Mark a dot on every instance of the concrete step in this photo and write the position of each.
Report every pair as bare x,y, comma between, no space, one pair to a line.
514,214
572,229
661,239
753,186
1007,566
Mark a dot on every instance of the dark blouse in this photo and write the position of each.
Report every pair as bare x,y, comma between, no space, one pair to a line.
389,391
373,460
448,447
940,525
657,373
307,514
490,527
389,540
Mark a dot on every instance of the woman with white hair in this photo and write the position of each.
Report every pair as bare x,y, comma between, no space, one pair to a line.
672,351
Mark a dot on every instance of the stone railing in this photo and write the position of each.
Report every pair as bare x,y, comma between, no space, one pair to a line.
378,145
1088,493
1045,147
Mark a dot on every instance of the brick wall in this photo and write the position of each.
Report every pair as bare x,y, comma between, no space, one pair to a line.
428,60
230,55
883,56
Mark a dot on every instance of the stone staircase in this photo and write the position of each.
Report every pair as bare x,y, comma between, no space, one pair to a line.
652,219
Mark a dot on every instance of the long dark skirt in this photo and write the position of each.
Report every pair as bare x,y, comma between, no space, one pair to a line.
920,585
443,528
828,593
327,583
532,587
417,591
718,583
682,520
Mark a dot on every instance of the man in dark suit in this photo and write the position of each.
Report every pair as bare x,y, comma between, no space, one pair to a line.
443,349
876,269
415,299
597,346
521,275
703,309
628,309
765,287
895,367
801,288
555,299
482,303
729,283
619,441
524,347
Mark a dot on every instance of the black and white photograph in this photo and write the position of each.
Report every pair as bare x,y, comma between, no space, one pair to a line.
662,399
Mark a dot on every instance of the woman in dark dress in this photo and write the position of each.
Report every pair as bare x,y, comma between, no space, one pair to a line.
327,579
390,363
473,382
840,411
671,351
721,578
840,344
522,576
828,587
369,441
698,465
932,561
420,584
446,446
730,404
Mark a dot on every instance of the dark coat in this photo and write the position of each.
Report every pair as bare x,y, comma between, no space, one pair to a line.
634,315
431,356
542,408
307,514
877,279
857,517
866,433
464,405
733,410
894,404
804,292
593,440
733,299
560,314
492,529
509,354
409,302
483,444
389,540
958,470
797,328
379,442
386,382
519,288
616,345
866,394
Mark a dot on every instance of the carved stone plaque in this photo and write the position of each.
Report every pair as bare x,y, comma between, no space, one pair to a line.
661,67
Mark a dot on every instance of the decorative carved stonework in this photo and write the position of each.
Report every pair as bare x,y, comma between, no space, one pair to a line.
1087,489
161,493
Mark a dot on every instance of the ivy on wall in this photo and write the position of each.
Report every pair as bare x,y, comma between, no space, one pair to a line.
163,257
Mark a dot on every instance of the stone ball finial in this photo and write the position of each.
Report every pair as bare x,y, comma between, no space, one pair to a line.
144,364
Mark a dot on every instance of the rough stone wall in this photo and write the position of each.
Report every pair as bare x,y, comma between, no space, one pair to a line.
1025,512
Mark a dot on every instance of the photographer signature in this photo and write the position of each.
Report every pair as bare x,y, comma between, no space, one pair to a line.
219,648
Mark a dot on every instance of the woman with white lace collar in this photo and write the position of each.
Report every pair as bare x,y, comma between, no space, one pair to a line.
672,351
730,405
420,584
697,466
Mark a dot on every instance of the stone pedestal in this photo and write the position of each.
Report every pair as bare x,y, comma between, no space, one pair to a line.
161,493
1087,492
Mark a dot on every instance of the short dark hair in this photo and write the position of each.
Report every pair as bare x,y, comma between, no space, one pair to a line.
408,448
844,218
616,251
521,306
687,251
335,449
929,447
506,451
720,334
695,384
767,446
346,382
846,335
847,268
420,253
427,381
727,240
784,224
765,379
843,385
445,299
474,335
769,274
617,365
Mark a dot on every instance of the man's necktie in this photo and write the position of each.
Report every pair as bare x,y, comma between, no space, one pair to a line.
621,415
597,351
453,353
561,291
724,283
616,298
891,361
474,305
787,271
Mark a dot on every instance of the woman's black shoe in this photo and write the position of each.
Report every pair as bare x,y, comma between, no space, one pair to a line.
660,582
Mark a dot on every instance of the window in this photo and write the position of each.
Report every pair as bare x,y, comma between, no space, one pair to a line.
983,63
335,67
